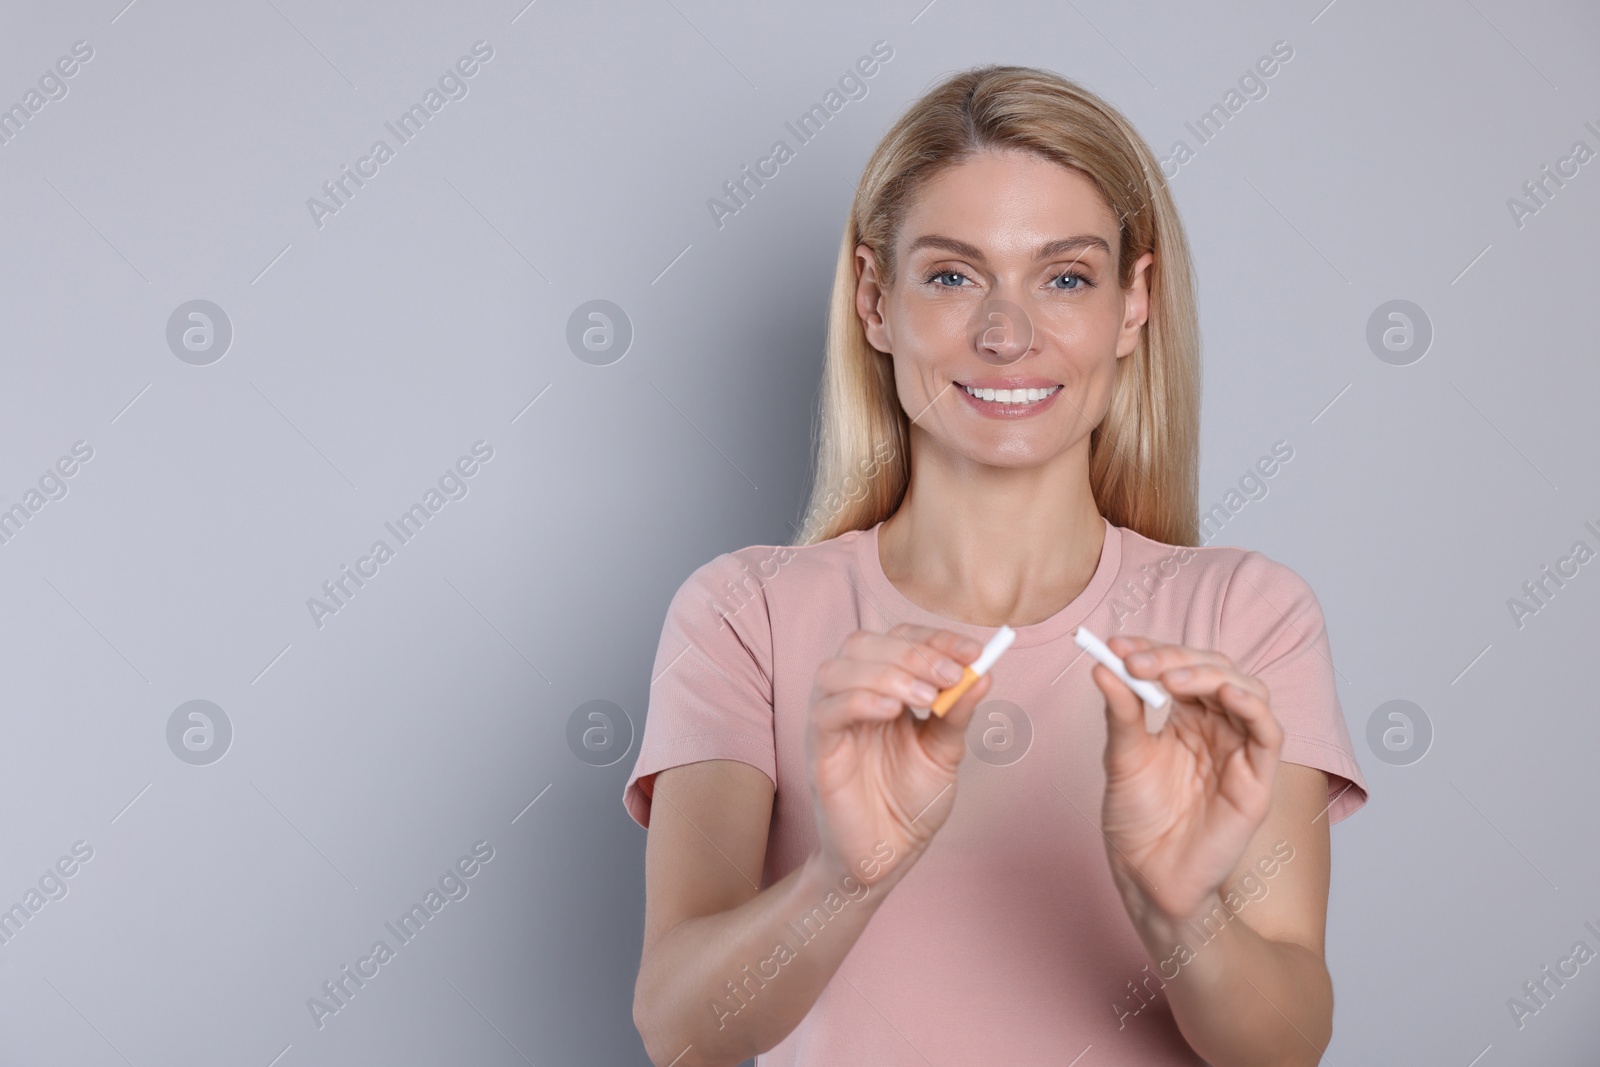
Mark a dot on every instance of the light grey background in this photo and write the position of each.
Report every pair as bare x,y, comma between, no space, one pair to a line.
368,354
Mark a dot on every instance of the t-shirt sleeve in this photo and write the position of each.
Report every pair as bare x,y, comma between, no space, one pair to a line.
711,687
1271,626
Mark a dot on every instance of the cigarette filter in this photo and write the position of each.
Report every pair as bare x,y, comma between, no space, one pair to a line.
970,674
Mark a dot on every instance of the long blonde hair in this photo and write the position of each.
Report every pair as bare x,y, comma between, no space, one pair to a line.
1143,465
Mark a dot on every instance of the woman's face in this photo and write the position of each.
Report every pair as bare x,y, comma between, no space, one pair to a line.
1006,281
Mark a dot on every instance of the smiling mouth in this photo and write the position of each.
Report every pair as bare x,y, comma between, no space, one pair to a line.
1011,396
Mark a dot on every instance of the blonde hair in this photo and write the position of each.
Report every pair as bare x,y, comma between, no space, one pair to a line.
1143,457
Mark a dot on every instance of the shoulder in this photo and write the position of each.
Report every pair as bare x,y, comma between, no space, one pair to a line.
742,583
830,556
1224,570
1262,588
754,565
1252,600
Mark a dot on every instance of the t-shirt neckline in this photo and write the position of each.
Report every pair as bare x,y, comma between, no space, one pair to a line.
1056,626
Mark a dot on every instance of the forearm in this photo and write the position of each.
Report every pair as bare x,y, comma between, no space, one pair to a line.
1240,999
717,989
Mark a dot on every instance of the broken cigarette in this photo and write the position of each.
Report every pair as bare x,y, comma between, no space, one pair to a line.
970,674
1154,697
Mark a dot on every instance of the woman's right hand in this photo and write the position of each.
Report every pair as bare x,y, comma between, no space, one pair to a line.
878,774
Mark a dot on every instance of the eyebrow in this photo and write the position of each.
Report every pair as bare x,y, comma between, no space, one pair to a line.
1049,250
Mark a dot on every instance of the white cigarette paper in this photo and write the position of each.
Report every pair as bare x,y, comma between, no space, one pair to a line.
991,651
1155,698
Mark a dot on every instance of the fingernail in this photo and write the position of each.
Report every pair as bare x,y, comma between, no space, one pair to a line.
968,647
1142,659
949,670
923,693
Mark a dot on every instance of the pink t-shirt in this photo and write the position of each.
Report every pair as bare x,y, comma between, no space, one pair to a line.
1007,942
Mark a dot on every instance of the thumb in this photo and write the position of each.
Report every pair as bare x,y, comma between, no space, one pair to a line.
1126,737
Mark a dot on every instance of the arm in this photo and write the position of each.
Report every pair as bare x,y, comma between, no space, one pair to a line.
1245,976
729,969
711,990
1192,817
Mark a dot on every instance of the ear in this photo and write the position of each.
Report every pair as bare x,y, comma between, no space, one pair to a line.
1137,302
869,300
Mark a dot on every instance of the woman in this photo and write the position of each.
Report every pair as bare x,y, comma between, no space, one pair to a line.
1008,435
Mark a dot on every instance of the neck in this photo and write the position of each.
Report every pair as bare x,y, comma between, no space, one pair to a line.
989,545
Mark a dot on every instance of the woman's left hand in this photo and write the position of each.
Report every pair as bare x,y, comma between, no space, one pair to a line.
1181,804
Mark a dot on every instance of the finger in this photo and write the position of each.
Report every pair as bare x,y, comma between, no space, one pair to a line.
840,711
1263,732
1152,660
1146,659
1206,679
948,642
925,661
1126,737
1124,644
886,679
963,648
945,737
1161,660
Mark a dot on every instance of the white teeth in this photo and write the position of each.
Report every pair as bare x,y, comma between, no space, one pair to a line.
1011,396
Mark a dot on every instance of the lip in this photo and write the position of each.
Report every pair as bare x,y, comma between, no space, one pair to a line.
1009,383
995,410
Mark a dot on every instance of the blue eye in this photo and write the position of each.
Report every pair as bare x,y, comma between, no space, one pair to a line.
1083,282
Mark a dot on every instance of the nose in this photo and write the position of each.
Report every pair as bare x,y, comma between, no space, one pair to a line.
1001,331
